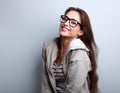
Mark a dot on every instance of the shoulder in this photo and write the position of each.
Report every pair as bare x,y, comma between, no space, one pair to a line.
77,44
79,54
77,50
49,43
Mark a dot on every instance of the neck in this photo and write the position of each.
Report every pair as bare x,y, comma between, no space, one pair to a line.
65,42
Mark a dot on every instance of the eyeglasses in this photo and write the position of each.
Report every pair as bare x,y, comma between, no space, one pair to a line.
72,22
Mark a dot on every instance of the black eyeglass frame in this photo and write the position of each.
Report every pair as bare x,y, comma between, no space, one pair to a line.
81,26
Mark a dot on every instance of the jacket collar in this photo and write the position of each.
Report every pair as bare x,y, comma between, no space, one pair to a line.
77,44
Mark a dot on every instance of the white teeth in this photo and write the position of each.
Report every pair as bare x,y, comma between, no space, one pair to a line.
66,28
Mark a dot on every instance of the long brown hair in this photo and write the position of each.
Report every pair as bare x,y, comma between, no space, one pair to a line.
88,39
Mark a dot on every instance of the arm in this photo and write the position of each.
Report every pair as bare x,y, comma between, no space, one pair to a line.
44,86
78,69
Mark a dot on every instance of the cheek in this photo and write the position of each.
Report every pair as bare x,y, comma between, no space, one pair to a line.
76,32
60,26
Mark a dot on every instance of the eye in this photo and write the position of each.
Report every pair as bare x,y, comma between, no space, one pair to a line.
73,22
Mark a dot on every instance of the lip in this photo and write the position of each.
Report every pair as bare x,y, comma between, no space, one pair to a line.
65,29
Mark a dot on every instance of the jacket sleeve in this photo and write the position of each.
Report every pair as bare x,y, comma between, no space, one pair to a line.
44,86
79,66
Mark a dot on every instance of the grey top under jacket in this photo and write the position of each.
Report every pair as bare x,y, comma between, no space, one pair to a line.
76,65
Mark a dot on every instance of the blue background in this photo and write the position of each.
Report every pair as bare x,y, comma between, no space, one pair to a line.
26,24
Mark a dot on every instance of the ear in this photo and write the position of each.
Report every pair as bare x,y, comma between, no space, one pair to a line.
80,33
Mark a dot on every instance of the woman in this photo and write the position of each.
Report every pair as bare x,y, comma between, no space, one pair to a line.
69,61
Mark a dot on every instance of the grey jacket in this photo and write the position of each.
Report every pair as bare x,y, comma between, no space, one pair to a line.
76,67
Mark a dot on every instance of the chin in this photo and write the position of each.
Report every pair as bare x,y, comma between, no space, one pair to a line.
64,34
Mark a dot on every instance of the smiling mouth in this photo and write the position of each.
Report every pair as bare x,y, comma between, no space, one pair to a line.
65,29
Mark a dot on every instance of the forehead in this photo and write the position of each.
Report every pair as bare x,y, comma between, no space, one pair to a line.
74,15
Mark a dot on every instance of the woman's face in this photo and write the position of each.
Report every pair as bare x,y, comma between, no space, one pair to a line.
66,29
